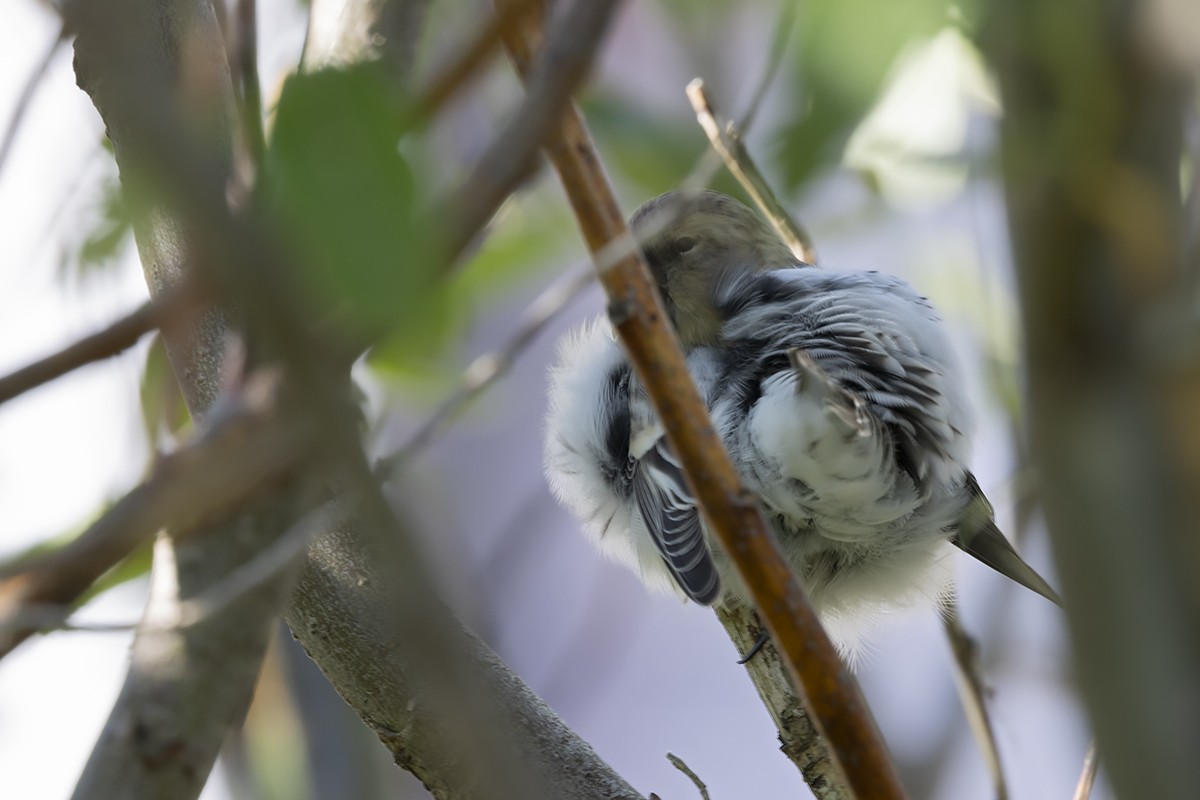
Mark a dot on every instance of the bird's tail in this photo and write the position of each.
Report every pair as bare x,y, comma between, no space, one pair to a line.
979,537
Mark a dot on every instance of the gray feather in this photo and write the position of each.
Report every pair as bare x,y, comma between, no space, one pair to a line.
671,516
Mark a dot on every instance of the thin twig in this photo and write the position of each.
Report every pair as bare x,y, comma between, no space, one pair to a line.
112,340
710,161
253,139
491,366
682,766
26,97
726,141
799,738
733,513
1191,204
973,694
1087,778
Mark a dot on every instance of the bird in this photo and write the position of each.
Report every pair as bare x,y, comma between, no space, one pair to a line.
837,395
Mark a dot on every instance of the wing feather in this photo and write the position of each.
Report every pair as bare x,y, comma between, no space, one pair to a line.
671,517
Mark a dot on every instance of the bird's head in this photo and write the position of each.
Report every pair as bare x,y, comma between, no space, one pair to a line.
692,240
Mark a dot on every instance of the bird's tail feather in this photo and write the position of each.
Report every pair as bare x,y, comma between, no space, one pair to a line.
979,537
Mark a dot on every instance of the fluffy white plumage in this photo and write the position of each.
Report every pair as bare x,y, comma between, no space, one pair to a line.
838,397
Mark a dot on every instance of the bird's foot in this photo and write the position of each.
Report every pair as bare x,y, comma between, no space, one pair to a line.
763,638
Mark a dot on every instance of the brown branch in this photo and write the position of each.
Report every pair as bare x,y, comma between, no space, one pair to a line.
726,140
249,447
111,341
733,513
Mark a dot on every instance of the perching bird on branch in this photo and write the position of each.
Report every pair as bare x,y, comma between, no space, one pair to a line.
837,395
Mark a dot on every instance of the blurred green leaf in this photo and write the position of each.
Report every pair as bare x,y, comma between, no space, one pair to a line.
348,201
524,237
163,408
651,150
106,232
528,235
845,52
130,568
421,354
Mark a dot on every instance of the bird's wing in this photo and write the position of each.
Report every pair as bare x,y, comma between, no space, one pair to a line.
979,537
673,521
874,337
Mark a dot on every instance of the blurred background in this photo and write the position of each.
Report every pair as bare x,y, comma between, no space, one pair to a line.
879,132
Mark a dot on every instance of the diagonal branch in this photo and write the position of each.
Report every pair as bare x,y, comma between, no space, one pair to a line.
249,446
111,341
726,140
973,693
732,511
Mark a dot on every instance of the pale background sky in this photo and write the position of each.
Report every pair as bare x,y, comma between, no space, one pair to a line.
635,675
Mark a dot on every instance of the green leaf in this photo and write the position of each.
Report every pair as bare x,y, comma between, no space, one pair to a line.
348,202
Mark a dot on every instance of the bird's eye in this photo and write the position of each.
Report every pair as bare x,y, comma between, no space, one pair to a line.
684,244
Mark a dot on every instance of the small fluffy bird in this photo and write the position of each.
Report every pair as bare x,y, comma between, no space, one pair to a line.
838,397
